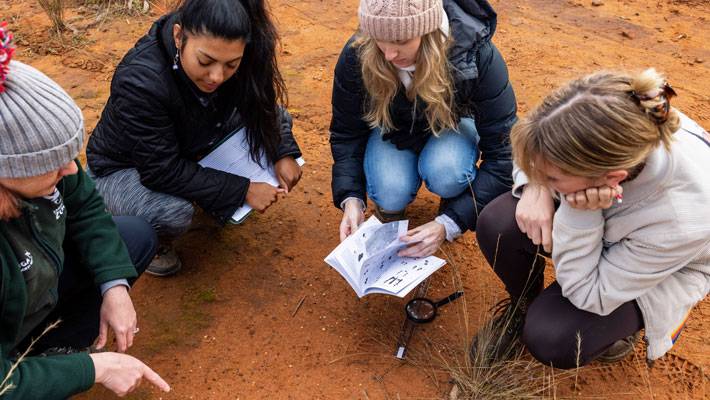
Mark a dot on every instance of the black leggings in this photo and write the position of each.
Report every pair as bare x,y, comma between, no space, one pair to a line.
552,322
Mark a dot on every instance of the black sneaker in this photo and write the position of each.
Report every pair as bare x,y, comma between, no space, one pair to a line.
65,350
389,216
620,349
499,339
166,261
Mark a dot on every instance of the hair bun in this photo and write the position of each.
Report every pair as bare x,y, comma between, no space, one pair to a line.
7,49
653,94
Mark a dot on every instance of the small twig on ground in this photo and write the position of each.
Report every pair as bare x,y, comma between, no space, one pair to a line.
299,305
365,393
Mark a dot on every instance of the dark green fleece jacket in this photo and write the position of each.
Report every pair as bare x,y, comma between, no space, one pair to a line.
31,258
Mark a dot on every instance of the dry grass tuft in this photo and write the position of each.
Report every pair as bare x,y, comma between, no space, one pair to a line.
55,12
478,374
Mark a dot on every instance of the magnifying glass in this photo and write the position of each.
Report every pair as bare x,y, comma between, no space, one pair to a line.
423,310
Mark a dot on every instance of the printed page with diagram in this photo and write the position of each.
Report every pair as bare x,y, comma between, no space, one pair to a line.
368,260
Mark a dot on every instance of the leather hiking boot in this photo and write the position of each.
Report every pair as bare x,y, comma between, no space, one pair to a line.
620,349
166,261
499,339
389,216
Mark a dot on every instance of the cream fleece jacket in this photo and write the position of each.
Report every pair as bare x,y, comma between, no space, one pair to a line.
653,248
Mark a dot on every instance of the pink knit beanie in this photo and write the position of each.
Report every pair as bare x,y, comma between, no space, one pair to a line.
393,20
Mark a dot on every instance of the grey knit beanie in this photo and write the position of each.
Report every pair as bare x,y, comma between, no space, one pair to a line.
41,128
393,20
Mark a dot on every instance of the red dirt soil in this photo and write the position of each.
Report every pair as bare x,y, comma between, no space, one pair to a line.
228,326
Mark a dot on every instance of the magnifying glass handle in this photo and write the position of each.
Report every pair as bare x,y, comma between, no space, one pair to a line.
451,297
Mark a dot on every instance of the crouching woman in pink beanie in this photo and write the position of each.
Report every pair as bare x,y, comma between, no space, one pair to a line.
62,256
421,94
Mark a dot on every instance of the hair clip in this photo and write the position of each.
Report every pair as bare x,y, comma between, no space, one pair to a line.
667,93
7,49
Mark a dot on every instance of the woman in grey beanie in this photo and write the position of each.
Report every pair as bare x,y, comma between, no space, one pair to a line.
62,256
420,93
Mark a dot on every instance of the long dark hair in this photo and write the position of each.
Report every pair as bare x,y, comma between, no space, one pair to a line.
260,86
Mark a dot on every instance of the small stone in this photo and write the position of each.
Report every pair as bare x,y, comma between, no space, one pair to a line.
87,94
626,34
699,60
597,3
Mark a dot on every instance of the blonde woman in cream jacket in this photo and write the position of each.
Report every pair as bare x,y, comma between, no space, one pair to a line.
629,233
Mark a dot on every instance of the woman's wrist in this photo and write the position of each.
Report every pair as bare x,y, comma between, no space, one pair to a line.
353,200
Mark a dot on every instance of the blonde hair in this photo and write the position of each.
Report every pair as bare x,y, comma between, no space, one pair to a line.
432,82
597,124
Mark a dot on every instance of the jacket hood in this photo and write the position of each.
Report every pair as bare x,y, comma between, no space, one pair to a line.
472,23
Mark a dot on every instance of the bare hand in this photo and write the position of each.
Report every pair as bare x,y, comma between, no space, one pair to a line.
593,199
352,218
430,236
534,214
262,195
122,373
118,313
287,172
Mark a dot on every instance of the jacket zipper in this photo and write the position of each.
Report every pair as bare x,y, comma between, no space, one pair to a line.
414,117
47,248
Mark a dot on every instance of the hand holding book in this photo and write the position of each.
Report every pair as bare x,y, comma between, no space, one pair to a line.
287,172
232,155
425,239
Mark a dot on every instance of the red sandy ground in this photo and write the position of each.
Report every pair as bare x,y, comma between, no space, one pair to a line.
224,327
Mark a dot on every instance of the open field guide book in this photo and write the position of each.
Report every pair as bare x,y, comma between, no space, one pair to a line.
368,260
232,155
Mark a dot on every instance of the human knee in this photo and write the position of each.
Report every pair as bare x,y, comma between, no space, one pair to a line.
392,194
550,342
497,219
447,177
393,201
174,219
448,184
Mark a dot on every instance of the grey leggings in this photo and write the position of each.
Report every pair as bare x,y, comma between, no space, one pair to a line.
170,216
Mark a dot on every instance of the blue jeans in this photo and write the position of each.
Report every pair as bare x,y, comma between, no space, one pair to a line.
446,164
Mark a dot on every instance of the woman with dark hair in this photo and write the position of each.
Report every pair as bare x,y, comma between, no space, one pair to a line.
200,73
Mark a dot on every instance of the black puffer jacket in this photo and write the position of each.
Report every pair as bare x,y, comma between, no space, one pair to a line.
157,121
483,92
